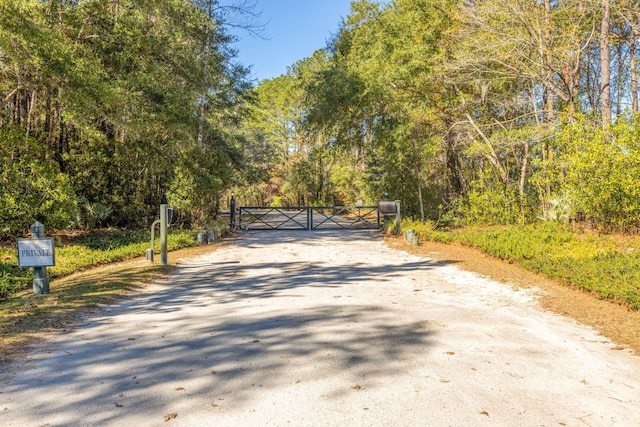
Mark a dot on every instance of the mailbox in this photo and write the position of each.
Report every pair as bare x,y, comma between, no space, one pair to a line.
169,215
388,208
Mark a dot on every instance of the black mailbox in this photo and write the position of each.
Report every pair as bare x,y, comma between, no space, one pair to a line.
169,215
388,208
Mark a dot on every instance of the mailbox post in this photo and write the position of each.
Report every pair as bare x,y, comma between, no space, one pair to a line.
387,208
232,212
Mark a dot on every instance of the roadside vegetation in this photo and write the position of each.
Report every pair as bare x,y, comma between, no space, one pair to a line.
85,250
605,265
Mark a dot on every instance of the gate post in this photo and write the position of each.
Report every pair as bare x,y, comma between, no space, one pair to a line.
232,212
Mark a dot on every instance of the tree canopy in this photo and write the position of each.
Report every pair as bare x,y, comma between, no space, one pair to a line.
484,112
115,104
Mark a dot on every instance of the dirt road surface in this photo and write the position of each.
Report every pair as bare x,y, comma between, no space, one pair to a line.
324,329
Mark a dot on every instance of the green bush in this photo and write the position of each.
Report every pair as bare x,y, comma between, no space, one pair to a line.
10,284
12,278
601,172
32,189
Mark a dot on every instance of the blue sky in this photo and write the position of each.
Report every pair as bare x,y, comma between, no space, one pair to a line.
294,30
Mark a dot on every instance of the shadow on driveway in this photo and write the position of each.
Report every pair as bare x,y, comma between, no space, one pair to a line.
221,331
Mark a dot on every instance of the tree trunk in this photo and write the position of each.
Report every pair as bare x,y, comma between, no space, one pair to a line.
453,162
417,166
202,107
634,73
605,64
548,118
548,97
523,178
620,77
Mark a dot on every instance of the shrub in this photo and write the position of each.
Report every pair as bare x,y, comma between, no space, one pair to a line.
602,172
426,230
32,189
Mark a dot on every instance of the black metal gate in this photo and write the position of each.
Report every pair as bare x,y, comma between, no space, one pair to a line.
308,217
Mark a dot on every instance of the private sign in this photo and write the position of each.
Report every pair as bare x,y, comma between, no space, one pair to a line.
36,252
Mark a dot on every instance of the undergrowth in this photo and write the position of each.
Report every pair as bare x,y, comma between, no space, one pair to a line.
80,253
608,266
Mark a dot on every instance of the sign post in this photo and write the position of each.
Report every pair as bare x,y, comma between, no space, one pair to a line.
37,252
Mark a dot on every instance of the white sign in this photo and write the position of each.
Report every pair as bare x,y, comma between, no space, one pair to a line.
36,252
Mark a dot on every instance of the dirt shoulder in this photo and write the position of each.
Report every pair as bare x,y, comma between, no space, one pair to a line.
618,323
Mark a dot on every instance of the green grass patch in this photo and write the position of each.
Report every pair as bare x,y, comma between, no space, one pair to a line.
84,251
608,266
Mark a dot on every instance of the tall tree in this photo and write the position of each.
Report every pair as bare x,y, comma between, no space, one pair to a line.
605,64
107,95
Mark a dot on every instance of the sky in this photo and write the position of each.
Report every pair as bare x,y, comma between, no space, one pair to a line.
294,29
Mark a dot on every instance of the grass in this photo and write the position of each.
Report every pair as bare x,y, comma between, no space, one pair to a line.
80,251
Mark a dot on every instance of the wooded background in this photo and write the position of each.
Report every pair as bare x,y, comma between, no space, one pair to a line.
471,113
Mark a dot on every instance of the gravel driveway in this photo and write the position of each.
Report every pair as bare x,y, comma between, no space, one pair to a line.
324,329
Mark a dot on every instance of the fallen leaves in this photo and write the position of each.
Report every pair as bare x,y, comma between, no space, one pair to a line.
170,416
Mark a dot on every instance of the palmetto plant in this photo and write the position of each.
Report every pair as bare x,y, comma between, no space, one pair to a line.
558,209
96,213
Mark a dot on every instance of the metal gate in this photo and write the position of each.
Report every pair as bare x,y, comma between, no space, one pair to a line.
308,217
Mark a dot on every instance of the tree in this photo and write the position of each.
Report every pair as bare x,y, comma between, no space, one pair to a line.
605,64
109,96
